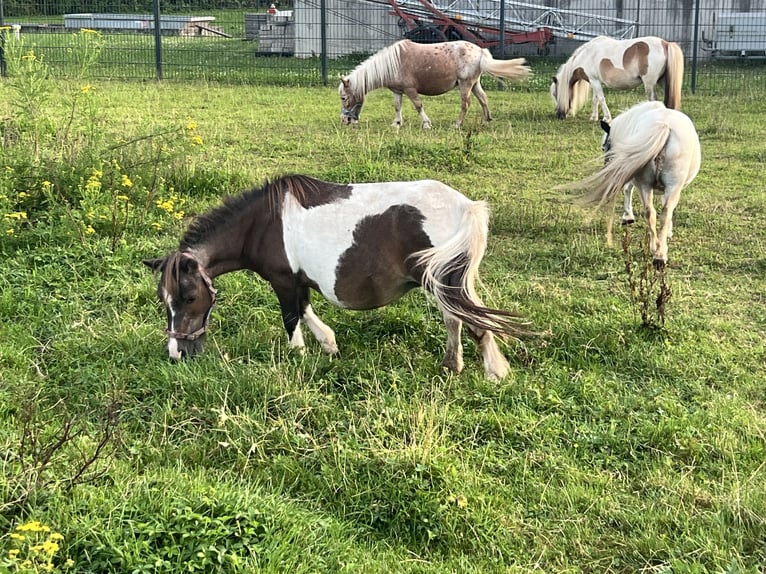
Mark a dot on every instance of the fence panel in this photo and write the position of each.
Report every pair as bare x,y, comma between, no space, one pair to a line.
311,42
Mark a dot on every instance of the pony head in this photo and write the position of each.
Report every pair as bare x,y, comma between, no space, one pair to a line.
606,143
350,103
188,294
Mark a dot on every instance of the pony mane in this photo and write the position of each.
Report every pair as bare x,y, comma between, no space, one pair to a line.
377,70
271,193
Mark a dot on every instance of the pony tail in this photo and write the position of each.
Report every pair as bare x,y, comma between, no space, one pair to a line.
450,272
674,76
515,69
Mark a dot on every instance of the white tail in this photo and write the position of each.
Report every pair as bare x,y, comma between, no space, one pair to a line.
515,69
451,270
622,163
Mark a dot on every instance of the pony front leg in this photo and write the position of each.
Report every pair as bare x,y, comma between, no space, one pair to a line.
627,211
397,111
321,332
415,99
598,99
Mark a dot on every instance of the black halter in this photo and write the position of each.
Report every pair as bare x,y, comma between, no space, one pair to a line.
352,112
193,336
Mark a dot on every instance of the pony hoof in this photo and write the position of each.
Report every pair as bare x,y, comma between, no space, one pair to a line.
628,221
659,264
453,364
330,348
426,125
396,125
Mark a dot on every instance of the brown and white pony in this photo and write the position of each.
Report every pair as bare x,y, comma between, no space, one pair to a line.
360,245
408,68
621,65
651,147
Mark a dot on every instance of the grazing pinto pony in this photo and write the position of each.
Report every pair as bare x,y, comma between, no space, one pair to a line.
618,64
651,147
408,68
360,245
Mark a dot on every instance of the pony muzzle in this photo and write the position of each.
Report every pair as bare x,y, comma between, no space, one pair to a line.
350,116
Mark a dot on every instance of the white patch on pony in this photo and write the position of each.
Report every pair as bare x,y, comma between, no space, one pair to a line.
173,351
322,332
332,226
296,341
172,341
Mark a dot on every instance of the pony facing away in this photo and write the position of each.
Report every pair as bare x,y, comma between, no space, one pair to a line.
651,147
618,64
361,246
408,68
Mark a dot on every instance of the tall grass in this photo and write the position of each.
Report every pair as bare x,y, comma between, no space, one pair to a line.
609,448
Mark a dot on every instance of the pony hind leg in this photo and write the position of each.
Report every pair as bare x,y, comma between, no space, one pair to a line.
496,365
481,95
453,357
669,203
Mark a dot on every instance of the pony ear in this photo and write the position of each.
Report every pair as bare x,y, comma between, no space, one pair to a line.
344,81
155,264
555,79
605,126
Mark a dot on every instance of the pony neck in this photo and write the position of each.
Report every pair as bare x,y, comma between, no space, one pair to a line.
236,244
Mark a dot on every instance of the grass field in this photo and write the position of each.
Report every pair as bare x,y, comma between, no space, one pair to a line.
610,447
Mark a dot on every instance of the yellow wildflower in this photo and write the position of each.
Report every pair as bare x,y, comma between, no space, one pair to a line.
89,230
197,140
191,125
89,31
69,563
12,553
23,195
86,89
126,181
55,536
178,215
122,197
33,526
9,231
17,215
157,226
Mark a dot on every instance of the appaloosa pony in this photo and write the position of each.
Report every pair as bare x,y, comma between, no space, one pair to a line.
408,68
360,245
650,147
618,64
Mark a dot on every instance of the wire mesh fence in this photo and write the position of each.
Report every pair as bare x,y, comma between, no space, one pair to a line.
311,42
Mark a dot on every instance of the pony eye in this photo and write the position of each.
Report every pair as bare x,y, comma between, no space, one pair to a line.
189,300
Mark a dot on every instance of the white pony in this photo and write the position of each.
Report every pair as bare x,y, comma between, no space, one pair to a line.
651,147
618,64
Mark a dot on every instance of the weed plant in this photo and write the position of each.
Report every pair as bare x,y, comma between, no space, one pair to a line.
609,448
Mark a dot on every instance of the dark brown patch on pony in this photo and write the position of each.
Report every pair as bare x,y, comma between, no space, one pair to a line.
312,192
375,270
637,56
577,75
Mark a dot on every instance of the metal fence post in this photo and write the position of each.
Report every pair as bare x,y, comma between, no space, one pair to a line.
695,45
323,33
157,39
3,66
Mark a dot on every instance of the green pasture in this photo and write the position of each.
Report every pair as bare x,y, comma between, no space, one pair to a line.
611,447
